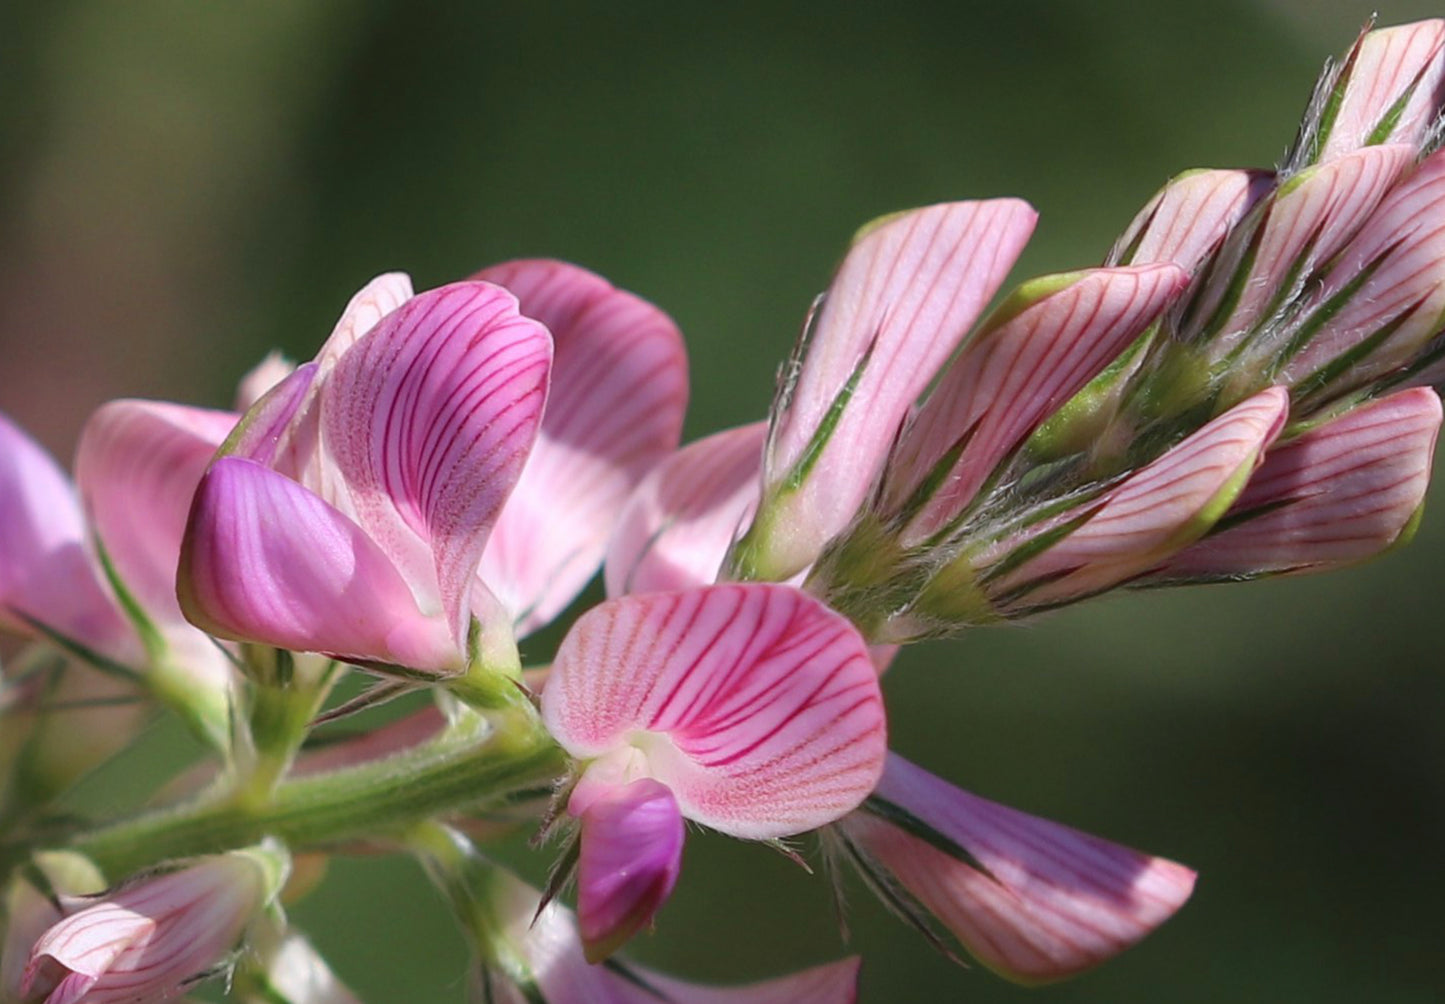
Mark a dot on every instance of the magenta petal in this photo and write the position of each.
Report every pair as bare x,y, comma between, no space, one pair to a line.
1053,901
679,523
619,389
46,571
830,983
631,853
1040,350
907,294
137,467
427,421
1190,217
1338,494
265,560
757,705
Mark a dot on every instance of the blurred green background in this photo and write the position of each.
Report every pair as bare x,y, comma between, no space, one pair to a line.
184,185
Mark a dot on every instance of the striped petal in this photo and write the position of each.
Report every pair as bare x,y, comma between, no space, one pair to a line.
678,524
1384,297
1155,512
908,292
427,422
1031,899
1391,86
629,860
1040,347
619,390
757,705
46,572
266,560
551,968
1342,492
137,467
1308,221
1190,218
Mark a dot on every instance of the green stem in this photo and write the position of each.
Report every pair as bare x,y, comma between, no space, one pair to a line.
375,800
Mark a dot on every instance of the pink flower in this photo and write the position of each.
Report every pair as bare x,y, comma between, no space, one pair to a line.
751,709
149,940
1032,900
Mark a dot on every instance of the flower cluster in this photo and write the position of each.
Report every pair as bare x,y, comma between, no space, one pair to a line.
1243,388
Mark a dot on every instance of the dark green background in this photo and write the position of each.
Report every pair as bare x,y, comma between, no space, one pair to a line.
185,184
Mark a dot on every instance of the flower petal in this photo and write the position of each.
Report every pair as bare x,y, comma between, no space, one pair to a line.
46,571
1051,902
615,408
1338,494
363,312
677,526
1153,513
1190,217
757,705
427,422
631,854
265,560
1044,344
905,297
1393,84
261,378
137,467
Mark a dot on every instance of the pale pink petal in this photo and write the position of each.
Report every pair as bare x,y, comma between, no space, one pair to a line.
1392,280
427,422
757,705
1385,67
1043,345
261,378
46,572
907,294
677,526
1338,494
265,560
630,857
547,944
1052,902
1308,221
1190,217
137,468
371,303
1153,513
619,389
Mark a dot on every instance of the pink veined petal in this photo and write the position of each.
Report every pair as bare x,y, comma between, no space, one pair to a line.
265,560
1016,373
269,432
137,467
1338,494
1190,217
1053,903
676,528
1383,67
757,705
551,950
363,312
615,408
1402,248
427,422
1310,219
46,571
630,857
905,296
1155,512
